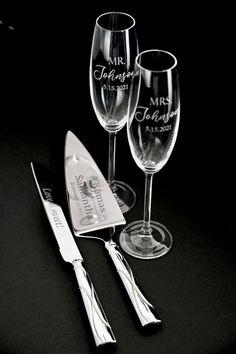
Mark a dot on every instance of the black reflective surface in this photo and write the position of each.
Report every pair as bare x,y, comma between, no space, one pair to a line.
45,92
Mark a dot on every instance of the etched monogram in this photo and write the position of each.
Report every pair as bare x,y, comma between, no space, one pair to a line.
143,113
53,207
101,73
161,113
112,75
88,203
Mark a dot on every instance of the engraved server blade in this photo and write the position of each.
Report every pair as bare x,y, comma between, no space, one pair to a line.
100,327
91,202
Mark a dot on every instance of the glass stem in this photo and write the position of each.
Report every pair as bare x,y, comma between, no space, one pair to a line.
146,229
112,160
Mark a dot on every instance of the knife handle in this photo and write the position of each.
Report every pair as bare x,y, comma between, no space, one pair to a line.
144,309
101,329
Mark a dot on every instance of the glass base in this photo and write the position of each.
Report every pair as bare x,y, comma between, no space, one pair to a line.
124,194
135,242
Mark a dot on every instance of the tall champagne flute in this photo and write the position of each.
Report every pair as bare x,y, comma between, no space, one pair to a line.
152,128
113,52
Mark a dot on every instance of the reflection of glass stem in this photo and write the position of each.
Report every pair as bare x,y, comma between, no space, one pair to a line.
111,160
146,229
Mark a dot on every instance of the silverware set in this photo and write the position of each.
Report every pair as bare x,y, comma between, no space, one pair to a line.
92,206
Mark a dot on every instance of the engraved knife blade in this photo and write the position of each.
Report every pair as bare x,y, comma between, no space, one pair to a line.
100,326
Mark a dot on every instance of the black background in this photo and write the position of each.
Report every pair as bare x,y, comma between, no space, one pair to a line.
45,92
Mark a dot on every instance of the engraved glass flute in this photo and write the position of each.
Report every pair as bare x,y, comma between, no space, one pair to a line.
152,127
113,52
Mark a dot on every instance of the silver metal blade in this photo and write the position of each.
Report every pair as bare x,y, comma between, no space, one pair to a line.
61,230
91,202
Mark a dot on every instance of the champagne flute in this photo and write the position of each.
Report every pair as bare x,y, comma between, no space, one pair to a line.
113,52
152,127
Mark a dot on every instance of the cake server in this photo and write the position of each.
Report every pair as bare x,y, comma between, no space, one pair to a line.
93,206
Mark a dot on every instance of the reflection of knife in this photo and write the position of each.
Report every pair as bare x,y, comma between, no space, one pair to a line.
92,207
101,329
